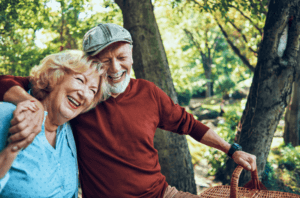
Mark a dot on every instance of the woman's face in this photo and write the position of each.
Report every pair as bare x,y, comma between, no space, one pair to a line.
73,95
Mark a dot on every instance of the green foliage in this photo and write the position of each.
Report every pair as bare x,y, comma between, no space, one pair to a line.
184,98
232,119
290,157
225,130
224,84
255,7
64,27
269,177
283,169
23,14
184,55
20,20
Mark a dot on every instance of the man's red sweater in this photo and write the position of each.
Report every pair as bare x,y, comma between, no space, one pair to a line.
114,141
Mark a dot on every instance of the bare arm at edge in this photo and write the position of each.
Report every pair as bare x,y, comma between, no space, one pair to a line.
25,125
7,157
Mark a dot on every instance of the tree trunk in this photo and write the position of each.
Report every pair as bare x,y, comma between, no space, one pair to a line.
292,118
150,63
207,70
272,82
208,92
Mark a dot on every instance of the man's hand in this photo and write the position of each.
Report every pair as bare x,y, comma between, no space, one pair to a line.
26,123
246,160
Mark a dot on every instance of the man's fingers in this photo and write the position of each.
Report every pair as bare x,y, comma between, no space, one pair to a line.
246,166
246,160
24,143
253,163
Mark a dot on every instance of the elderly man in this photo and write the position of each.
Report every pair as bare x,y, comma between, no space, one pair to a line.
116,155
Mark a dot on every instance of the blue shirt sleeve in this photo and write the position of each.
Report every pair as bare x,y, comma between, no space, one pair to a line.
6,114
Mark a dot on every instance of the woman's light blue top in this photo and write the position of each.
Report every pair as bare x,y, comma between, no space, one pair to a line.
40,170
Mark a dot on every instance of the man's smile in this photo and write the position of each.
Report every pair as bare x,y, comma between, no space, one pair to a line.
117,76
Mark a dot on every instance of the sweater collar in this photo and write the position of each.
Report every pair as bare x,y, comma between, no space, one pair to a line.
122,95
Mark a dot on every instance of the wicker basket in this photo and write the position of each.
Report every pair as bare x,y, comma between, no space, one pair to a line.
254,188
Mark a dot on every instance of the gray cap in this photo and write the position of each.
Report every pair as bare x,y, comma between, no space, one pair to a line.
103,35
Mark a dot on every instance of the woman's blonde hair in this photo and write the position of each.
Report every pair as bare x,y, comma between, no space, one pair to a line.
54,67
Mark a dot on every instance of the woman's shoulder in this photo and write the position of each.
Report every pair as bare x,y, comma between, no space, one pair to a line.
6,114
6,109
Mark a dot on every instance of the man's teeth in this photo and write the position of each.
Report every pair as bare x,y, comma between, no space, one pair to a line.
117,77
74,101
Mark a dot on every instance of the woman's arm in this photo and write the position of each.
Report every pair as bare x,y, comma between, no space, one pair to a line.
7,157
9,152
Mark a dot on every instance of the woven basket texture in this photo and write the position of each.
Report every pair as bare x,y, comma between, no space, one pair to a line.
253,189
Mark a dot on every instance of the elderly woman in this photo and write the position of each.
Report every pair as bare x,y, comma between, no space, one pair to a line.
67,84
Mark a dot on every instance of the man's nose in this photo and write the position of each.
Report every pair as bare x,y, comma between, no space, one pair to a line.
114,67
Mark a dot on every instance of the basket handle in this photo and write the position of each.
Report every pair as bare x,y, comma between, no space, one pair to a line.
253,184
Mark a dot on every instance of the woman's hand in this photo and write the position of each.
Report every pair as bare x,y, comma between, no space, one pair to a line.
26,123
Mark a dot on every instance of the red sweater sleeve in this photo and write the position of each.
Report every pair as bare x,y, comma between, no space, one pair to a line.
174,118
8,81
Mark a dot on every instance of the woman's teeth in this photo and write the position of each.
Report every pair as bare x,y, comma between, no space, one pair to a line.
73,101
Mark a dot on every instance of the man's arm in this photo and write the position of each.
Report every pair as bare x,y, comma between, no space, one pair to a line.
246,160
25,124
8,81
176,119
16,94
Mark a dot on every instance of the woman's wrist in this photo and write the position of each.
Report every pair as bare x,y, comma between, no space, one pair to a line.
7,156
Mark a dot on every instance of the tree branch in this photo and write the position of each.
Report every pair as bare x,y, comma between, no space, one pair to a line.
214,46
259,29
191,37
243,35
292,47
235,49
277,19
